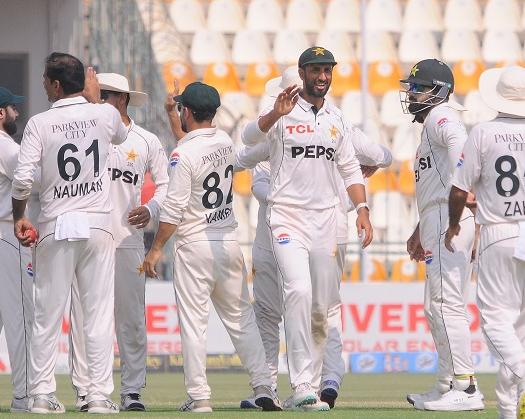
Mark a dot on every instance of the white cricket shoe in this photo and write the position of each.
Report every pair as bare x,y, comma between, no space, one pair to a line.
20,405
47,403
304,394
81,404
318,406
196,406
418,400
103,407
249,403
266,398
456,401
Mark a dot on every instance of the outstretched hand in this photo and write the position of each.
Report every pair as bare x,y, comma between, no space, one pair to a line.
286,100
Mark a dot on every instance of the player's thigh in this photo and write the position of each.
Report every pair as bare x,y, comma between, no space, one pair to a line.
267,290
129,279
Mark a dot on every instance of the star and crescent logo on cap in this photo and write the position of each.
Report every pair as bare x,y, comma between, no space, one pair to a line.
414,71
318,51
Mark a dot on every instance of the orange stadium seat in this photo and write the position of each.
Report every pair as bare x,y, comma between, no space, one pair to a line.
375,271
257,75
345,76
382,180
383,76
406,270
466,76
175,70
242,183
406,180
222,76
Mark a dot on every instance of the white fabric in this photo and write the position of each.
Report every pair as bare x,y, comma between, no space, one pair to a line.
438,154
310,149
201,165
519,250
503,89
72,226
128,162
16,304
118,83
8,160
51,136
491,147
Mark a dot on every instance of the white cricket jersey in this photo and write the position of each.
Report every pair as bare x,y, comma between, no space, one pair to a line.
8,160
71,143
261,189
493,165
199,197
127,165
308,152
442,140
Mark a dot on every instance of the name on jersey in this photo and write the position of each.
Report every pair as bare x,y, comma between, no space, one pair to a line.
299,129
514,141
218,215
77,189
75,129
126,175
313,152
218,157
514,208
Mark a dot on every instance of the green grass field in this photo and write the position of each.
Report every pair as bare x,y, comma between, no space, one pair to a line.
362,396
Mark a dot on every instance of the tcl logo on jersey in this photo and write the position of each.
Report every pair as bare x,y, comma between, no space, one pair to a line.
29,269
313,152
174,159
428,257
283,238
126,175
299,129
461,160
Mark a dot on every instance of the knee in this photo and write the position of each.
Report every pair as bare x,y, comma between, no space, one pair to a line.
319,325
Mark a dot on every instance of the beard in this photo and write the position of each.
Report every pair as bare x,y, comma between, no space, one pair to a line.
415,108
183,124
10,126
312,91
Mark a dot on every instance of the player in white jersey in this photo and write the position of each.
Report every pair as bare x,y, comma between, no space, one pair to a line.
430,84
492,164
16,282
208,260
127,165
70,142
310,148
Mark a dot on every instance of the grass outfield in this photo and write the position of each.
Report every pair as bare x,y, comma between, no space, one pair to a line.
362,396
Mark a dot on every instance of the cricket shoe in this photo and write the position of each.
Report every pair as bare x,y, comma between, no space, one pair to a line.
329,392
20,405
103,407
456,401
266,398
304,394
418,399
196,406
81,404
131,403
47,403
318,406
249,403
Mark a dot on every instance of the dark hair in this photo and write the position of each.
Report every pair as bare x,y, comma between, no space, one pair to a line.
201,116
68,70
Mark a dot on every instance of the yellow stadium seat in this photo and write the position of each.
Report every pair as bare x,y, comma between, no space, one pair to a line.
376,271
406,180
406,270
466,76
222,76
257,75
175,70
382,180
242,183
345,76
383,76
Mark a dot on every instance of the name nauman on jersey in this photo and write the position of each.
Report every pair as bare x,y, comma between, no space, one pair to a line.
77,189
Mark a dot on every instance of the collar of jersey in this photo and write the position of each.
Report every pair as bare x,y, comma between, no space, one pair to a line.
77,100
6,136
307,106
201,132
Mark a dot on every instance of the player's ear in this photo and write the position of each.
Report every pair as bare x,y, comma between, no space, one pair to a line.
301,73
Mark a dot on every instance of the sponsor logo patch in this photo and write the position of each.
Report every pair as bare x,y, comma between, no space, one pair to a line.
428,257
442,122
29,269
283,238
461,160
174,159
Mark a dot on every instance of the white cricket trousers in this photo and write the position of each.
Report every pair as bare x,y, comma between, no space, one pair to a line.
304,245
501,295
215,270
130,325
448,275
16,305
92,261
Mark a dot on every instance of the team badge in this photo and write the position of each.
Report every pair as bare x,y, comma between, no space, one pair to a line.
140,269
333,133
461,160
174,159
131,155
283,238
318,51
428,257
442,122
414,71
29,269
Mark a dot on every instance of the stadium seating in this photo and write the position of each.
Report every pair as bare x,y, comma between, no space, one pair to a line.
423,15
209,47
257,74
304,15
265,15
250,46
466,76
501,45
223,76
176,70
502,15
225,16
460,45
187,15
383,15
346,76
343,15
288,45
383,76
341,44
416,45
463,15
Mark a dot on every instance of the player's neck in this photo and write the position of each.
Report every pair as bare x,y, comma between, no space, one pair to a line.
192,126
70,96
318,102
126,120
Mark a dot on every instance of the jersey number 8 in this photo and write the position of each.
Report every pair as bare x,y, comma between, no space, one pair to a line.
501,169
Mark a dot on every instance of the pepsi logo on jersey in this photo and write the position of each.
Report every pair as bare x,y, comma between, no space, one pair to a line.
174,159
428,257
283,238
461,160
313,152
29,269
126,175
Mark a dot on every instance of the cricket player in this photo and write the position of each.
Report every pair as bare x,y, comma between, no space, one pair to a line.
70,142
208,260
493,165
16,280
430,84
128,163
310,148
